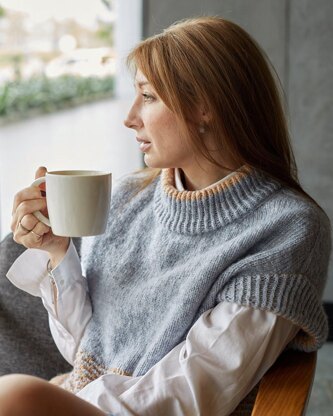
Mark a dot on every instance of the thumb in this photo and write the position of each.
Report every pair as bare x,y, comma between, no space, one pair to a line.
41,171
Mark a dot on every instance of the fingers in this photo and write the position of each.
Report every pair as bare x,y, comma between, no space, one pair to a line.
32,192
27,207
41,171
31,238
27,223
40,228
27,229
25,195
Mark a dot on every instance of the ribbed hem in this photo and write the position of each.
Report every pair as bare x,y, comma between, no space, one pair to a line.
289,296
196,212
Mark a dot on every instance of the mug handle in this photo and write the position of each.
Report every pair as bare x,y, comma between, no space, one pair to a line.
38,214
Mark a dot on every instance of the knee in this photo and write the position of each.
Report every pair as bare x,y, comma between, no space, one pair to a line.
20,395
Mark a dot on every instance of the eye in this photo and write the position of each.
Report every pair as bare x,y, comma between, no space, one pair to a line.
147,97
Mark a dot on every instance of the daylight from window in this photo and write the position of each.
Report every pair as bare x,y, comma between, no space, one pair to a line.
54,54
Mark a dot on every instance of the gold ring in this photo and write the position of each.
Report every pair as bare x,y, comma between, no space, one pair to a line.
37,235
23,227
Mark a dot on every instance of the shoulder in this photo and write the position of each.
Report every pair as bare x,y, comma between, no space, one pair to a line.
295,233
291,212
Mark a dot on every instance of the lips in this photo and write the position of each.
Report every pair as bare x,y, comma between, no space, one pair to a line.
144,144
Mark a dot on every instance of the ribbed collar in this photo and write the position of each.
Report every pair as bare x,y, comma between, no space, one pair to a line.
180,186
196,212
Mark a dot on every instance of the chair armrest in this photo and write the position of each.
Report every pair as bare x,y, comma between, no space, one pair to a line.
286,387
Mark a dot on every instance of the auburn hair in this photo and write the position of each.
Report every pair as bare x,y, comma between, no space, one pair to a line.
215,64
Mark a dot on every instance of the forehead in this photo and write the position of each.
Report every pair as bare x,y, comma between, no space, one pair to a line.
140,79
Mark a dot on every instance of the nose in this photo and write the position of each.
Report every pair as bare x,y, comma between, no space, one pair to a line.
133,120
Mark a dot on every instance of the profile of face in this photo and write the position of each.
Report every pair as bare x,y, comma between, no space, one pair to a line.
157,129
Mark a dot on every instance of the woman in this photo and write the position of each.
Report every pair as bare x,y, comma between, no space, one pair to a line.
214,259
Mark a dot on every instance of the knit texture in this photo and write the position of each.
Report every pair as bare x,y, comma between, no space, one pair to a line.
169,255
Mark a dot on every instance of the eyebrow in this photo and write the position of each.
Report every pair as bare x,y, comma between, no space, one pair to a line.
141,83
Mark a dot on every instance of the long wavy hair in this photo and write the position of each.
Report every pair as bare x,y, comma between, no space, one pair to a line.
213,63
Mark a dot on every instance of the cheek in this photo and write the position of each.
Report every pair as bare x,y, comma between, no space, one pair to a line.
168,124
162,127
150,120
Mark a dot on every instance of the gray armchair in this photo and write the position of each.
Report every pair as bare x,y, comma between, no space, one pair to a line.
26,344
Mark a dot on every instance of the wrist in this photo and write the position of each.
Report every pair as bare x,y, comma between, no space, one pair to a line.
58,253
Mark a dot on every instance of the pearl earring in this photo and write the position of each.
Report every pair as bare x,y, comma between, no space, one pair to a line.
202,128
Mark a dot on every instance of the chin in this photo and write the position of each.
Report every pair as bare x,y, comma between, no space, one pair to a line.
152,162
157,163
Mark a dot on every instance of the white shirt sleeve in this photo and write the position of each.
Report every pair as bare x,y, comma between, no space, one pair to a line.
225,354
64,294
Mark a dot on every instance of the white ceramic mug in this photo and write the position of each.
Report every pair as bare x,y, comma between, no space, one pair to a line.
78,202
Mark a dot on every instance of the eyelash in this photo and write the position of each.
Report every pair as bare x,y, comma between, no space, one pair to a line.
147,97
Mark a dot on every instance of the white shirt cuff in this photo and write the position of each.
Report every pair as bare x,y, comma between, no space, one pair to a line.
67,271
29,270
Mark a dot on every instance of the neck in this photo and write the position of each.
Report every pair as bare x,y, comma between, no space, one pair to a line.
202,177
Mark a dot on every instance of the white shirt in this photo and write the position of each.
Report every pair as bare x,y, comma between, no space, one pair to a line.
225,354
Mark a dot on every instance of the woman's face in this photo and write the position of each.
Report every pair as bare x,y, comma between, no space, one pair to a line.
157,129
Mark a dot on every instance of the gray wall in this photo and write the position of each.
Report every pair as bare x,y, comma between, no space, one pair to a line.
297,36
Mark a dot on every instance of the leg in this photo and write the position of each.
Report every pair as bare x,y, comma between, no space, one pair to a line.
22,395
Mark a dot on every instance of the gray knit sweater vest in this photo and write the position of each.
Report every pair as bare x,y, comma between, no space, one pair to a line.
169,255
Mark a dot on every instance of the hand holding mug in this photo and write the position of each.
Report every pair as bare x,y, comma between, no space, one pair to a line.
27,229
77,203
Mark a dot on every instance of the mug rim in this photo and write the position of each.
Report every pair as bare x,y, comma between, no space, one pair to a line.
77,173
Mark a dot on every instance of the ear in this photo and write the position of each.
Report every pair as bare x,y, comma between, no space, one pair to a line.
204,115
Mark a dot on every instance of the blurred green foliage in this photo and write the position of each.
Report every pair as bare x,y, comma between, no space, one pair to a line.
2,11
22,98
105,33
